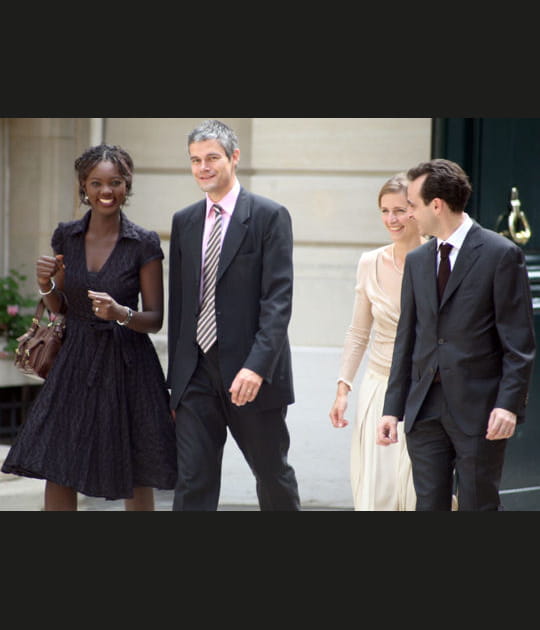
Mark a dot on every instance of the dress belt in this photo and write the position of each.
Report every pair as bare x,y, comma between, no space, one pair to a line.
109,332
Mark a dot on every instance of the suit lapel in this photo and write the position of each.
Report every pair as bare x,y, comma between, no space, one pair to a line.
430,263
194,238
236,232
467,257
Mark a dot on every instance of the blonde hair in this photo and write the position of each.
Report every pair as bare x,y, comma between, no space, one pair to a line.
396,184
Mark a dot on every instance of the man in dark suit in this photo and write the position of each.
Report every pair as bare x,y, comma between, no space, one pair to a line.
462,362
243,381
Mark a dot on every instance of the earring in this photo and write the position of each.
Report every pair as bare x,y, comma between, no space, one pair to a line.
86,200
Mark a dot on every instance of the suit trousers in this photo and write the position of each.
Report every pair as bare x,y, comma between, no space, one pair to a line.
203,416
437,448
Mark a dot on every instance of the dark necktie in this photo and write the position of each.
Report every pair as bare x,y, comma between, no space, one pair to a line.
442,279
444,267
206,326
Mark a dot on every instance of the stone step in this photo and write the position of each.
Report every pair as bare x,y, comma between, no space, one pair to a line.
19,493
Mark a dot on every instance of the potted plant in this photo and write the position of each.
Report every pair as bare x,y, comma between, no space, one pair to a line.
16,311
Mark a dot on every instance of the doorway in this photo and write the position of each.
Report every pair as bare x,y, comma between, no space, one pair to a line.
502,158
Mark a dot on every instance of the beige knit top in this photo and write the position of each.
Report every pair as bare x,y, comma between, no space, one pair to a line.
375,315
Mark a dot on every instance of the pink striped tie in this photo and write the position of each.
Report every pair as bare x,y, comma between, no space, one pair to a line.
206,326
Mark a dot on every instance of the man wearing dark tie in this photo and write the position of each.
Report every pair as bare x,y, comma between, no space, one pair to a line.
230,299
464,349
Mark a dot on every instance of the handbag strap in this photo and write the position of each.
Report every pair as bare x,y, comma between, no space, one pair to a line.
40,309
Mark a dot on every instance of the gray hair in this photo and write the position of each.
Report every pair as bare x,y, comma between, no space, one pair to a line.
215,130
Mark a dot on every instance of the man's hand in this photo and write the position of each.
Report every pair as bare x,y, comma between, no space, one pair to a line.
245,387
501,425
387,431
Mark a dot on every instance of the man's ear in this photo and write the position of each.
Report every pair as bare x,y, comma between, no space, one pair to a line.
437,205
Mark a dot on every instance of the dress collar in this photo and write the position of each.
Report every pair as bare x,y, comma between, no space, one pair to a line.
127,227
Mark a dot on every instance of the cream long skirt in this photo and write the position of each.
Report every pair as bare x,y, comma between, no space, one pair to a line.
381,476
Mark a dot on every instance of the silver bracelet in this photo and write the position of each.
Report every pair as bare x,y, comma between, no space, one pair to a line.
128,318
43,293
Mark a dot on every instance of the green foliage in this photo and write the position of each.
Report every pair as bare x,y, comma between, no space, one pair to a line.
16,310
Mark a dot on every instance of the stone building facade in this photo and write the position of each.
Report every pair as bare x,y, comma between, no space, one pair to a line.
326,171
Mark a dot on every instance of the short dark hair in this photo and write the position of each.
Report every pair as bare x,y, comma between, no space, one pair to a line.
104,153
446,180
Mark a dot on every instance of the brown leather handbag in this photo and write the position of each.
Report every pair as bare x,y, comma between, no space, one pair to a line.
40,344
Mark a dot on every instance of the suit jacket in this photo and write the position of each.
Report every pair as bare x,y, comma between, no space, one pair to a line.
253,297
481,336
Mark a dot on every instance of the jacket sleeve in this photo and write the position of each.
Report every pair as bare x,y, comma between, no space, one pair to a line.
515,327
175,296
400,373
276,294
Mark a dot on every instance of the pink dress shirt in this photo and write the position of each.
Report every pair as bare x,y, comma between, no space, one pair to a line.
227,204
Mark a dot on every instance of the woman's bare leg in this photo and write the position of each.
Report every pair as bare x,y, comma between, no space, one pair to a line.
59,498
143,500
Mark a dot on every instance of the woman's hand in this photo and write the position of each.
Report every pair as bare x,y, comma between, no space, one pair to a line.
46,268
337,413
105,307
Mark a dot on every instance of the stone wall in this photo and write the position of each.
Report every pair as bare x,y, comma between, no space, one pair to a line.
326,171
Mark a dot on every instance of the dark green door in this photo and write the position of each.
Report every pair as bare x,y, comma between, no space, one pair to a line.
502,158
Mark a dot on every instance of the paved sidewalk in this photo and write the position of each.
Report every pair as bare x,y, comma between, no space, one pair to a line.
164,500
319,453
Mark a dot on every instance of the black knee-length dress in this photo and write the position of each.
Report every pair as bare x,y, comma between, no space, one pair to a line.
101,423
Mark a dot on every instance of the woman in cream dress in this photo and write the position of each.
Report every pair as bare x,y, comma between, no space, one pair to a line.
381,478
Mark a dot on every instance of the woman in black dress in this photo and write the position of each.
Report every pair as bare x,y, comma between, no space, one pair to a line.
101,425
